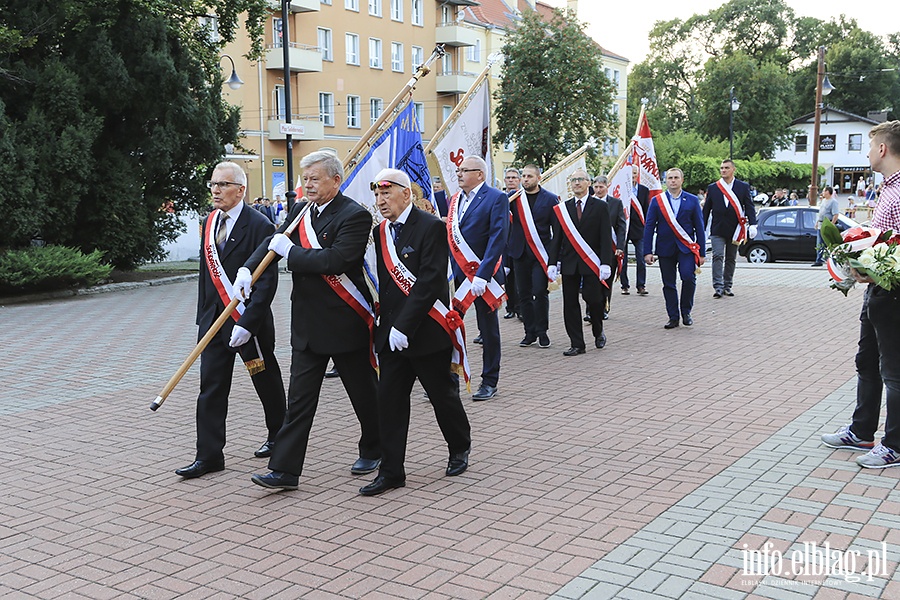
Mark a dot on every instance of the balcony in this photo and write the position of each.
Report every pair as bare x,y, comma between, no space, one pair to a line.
456,34
310,125
455,82
304,59
297,6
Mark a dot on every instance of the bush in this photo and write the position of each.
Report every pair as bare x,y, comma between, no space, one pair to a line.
50,268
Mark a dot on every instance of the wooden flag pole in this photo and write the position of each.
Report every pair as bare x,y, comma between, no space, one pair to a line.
621,161
552,171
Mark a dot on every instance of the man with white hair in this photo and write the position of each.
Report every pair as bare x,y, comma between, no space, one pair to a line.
331,316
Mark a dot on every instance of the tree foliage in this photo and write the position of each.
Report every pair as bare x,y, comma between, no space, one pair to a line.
554,95
110,113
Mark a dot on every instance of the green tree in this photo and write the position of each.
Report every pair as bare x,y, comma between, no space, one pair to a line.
109,113
553,96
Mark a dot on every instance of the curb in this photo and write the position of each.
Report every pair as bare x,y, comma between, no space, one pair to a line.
99,289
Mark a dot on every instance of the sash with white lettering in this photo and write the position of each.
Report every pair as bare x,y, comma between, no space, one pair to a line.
342,285
449,320
526,218
669,215
217,273
468,263
740,232
578,242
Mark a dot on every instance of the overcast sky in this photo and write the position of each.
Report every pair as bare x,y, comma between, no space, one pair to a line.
622,26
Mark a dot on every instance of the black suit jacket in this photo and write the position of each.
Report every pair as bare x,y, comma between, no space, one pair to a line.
422,247
724,219
635,225
616,219
249,231
541,211
594,228
320,320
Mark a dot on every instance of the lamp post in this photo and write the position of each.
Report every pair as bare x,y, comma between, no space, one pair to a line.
289,194
733,106
823,88
234,82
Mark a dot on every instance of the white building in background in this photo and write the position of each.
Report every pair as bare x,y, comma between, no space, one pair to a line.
843,147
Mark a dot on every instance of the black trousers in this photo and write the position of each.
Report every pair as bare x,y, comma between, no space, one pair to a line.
398,374
307,373
592,291
534,303
216,374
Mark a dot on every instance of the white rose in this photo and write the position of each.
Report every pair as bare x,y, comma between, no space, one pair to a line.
867,259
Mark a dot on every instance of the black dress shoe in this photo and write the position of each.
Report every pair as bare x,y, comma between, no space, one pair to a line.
199,468
672,324
458,463
265,451
528,340
363,466
276,480
600,341
687,320
510,315
485,392
728,293
381,485
332,373
717,294
478,340
587,318
573,351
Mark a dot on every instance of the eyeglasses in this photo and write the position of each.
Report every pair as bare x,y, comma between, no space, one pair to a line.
577,179
468,170
221,184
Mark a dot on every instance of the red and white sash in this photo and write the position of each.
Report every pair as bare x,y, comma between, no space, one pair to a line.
669,215
740,232
341,284
449,320
636,206
469,262
526,218
220,280
578,242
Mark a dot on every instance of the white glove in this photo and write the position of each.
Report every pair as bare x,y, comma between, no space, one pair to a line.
243,282
752,231
239,336
552,273
478,286
281,244
605,271
397,340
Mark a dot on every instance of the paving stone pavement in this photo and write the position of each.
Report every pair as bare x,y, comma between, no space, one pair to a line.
650,469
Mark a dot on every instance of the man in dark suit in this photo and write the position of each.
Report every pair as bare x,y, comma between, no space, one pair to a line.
677,220
482,217
411,339
531,276
733,223
589,217
230,234
636,235
330,317
512,179
618,223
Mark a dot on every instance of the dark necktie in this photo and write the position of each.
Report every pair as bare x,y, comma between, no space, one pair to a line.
315,213
396,228
578,210
222,232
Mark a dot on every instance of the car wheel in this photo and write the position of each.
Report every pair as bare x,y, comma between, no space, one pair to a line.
759,254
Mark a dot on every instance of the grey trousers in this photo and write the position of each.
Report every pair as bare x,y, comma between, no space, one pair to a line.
724,257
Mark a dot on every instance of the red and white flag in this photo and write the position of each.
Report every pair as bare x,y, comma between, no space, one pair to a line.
645,158
468,136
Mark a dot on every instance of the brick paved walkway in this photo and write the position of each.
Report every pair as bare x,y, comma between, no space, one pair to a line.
637,471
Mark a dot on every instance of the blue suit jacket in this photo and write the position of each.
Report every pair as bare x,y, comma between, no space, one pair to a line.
690,215
542,212
486,229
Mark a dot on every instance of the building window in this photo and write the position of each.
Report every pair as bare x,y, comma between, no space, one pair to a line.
397,57
325,45
474,52
376,105
328,2
447,64
375,53
353,112
616,79
614,111
446,111
418,57
800,143
278,102
509,146
352,42
351,5
419,113
211,24
418,12
276,33
375,8
855,142
446,15
326,109
397,10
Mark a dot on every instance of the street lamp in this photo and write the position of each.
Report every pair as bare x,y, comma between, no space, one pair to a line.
823,88
734,105
289,194
234,82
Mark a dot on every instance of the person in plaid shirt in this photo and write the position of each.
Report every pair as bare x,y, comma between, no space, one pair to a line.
878,358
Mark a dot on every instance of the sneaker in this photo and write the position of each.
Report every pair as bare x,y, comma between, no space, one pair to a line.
528,340
844,438
544,341
879,457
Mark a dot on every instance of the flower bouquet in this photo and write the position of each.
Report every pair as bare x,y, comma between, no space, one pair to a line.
870,251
